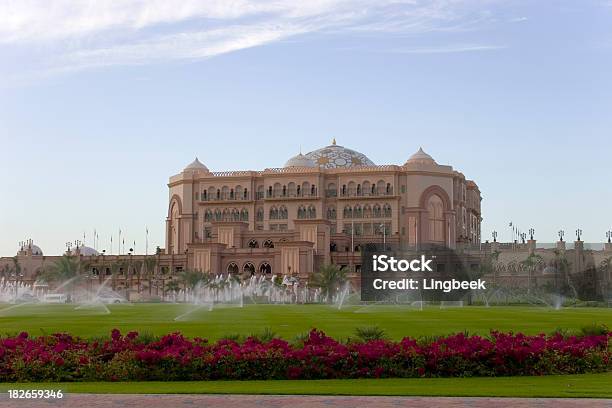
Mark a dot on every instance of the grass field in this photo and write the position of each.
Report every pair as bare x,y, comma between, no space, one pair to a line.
569,386
288,321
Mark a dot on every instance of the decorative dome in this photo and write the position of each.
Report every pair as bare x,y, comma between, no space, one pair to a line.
35,249
421,157
300,161
196,165
88,251
334,156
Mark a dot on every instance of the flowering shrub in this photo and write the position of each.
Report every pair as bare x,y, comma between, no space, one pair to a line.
61,357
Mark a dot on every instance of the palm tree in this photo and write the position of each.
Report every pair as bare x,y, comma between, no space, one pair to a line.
63,269
149,264
173,286
329,278
531,263
190,278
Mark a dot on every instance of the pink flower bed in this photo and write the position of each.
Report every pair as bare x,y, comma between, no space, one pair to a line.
62,357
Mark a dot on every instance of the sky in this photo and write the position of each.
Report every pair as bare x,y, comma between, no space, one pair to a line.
102,101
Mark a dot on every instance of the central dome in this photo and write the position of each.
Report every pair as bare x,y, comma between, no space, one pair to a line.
335,156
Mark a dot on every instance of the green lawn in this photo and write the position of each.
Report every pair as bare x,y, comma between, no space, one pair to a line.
290,320
585,386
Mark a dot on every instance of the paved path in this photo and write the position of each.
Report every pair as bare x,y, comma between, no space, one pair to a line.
293,401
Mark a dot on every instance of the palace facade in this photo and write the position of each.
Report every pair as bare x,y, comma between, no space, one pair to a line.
319,208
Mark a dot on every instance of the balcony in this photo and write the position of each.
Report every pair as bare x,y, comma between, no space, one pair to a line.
227,198
280,195
351,193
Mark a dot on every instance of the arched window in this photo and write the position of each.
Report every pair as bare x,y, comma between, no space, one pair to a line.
253,243
273,213
291,189
277,189
312,211
217,215
225,192
301,212
211,192
435,212
226,215
208,215
331,213
260,214
238,192
351,188
367,211
377,211
249,268
232,268
380,187
357,212
348,212
235,214
366,188
265,268
244,214
282,213
268,243
305,187
387,211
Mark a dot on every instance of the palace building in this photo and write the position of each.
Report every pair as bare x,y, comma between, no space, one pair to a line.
321,207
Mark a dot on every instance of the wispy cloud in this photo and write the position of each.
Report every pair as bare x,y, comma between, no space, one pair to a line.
447,49
65,35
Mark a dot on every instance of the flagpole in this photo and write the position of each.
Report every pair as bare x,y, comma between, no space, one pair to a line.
119,243
146,240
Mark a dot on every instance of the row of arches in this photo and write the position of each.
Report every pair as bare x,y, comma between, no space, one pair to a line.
249,268
226,215
365,211
288,190
266,244
224,193
366,188
306,212
280,213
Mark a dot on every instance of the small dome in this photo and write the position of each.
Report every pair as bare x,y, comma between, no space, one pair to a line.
300,161
335,156
88,251
196,165
31,247
421,157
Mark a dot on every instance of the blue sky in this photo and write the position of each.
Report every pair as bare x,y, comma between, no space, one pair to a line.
100,102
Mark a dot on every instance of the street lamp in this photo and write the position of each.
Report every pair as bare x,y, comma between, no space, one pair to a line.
68,246
609,236
494,234
523,236
578,233
531,232
561,235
